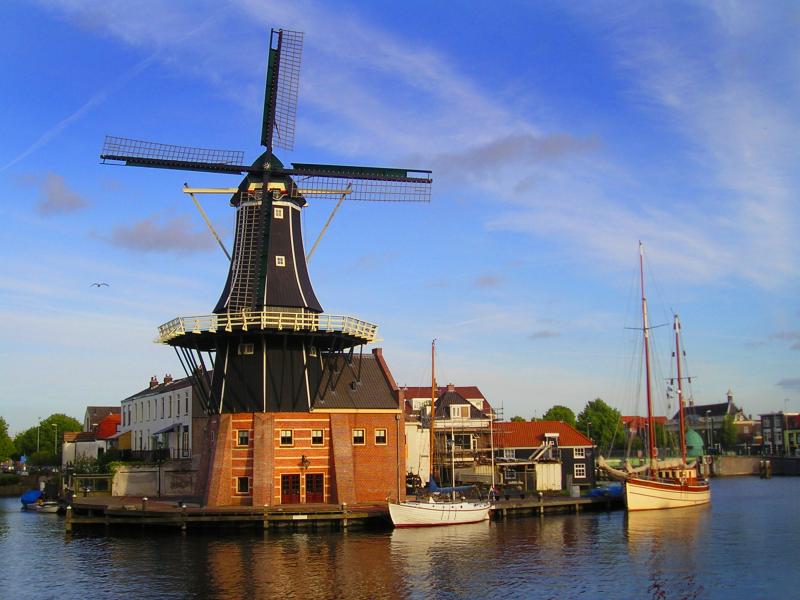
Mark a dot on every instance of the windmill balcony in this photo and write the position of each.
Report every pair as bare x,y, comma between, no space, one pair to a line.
206,326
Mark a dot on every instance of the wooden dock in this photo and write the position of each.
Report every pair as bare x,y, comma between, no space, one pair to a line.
526,505
129,512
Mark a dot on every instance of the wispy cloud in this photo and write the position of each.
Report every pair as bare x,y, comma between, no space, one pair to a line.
790,336
543,334
789,383
57,198
153,235
488,281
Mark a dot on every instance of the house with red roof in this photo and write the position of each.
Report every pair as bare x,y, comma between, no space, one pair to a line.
543,455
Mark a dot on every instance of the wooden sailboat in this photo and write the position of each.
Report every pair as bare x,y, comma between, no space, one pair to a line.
667,484
442,511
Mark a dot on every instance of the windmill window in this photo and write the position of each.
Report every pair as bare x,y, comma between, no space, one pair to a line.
317,437
280,261
246,349
277,212
287,437
312,351
358,437
380,437
242,485
243,437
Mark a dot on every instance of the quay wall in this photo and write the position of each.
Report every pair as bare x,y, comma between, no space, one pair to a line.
177,478
729,466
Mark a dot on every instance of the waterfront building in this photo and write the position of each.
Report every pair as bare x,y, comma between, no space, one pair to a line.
708,420
525,452
780,433
463,419
159,418
93,444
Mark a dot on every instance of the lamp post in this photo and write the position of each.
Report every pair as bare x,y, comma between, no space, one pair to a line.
588,431
38,432
55,439
709,430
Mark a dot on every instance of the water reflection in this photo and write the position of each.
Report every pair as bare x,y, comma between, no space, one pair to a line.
664,545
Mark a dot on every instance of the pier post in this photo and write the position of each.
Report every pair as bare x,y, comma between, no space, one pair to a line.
68,521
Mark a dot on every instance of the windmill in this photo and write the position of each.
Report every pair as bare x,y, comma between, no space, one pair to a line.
271,346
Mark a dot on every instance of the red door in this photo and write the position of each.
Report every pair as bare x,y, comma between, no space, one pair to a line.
290,489
315,487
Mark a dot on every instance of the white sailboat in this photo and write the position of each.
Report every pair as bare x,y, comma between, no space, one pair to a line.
431,512
661,484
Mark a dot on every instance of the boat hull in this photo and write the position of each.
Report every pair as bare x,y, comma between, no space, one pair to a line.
47,507
433,514
646,494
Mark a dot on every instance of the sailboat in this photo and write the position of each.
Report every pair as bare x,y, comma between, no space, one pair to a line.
661,484
442,511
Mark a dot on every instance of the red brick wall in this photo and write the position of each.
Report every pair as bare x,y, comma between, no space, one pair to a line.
370,472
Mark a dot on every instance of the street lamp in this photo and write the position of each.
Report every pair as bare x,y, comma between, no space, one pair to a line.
709,430
38,431
55,439
588,431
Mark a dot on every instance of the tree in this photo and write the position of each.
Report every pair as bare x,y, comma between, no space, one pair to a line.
560,413
727,436
50,435
6,444
602,423
517,419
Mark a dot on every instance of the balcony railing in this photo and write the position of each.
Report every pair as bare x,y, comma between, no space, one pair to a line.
267,320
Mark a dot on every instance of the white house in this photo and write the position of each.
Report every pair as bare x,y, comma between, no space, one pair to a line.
160,416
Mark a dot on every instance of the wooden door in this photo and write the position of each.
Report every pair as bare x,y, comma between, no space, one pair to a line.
315,487
290,489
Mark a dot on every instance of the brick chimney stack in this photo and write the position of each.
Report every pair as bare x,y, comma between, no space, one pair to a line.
153,382
168,378
451,387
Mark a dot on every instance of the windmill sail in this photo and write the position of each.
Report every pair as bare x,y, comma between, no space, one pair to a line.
140,153
282,89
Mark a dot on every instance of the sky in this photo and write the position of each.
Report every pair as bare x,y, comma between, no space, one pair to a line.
559,135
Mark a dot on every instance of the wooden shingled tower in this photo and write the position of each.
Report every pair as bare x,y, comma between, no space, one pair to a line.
271,346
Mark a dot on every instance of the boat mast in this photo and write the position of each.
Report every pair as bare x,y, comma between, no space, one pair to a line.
651,428
433,407
681,421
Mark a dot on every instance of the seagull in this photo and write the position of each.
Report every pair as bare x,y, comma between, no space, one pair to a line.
99,284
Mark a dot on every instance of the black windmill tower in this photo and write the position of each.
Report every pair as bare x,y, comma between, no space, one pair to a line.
271,346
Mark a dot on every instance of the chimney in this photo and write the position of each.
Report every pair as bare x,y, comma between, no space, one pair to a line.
451,387
730,398
168,378
153,382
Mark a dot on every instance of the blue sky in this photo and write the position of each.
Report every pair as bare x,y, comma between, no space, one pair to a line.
559,136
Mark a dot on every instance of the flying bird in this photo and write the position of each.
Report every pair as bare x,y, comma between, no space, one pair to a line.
99,284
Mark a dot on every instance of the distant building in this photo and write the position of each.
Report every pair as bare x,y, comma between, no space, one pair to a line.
780,433
462,426
523,450
95,414
708,420
91,445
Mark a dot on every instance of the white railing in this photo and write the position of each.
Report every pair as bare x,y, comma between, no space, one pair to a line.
267,320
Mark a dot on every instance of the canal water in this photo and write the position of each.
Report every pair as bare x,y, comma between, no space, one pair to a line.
745,545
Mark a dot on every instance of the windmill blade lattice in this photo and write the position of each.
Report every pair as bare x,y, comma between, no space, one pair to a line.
140,153
280,99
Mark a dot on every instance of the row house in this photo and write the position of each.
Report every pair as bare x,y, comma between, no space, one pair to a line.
780,433
160,418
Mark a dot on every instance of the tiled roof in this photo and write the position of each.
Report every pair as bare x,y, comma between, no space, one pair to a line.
108,426
468,391
715,410
366,383
175,384
79,436
531,434
448,399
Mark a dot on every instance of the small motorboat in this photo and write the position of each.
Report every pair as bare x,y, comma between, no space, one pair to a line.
30,498
47,506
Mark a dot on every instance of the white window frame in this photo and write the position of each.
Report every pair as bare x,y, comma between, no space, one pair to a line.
321,442
363,436
457,411
385,436
280,261
579,470
277,212
579,453
242,433
290,436
246,481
